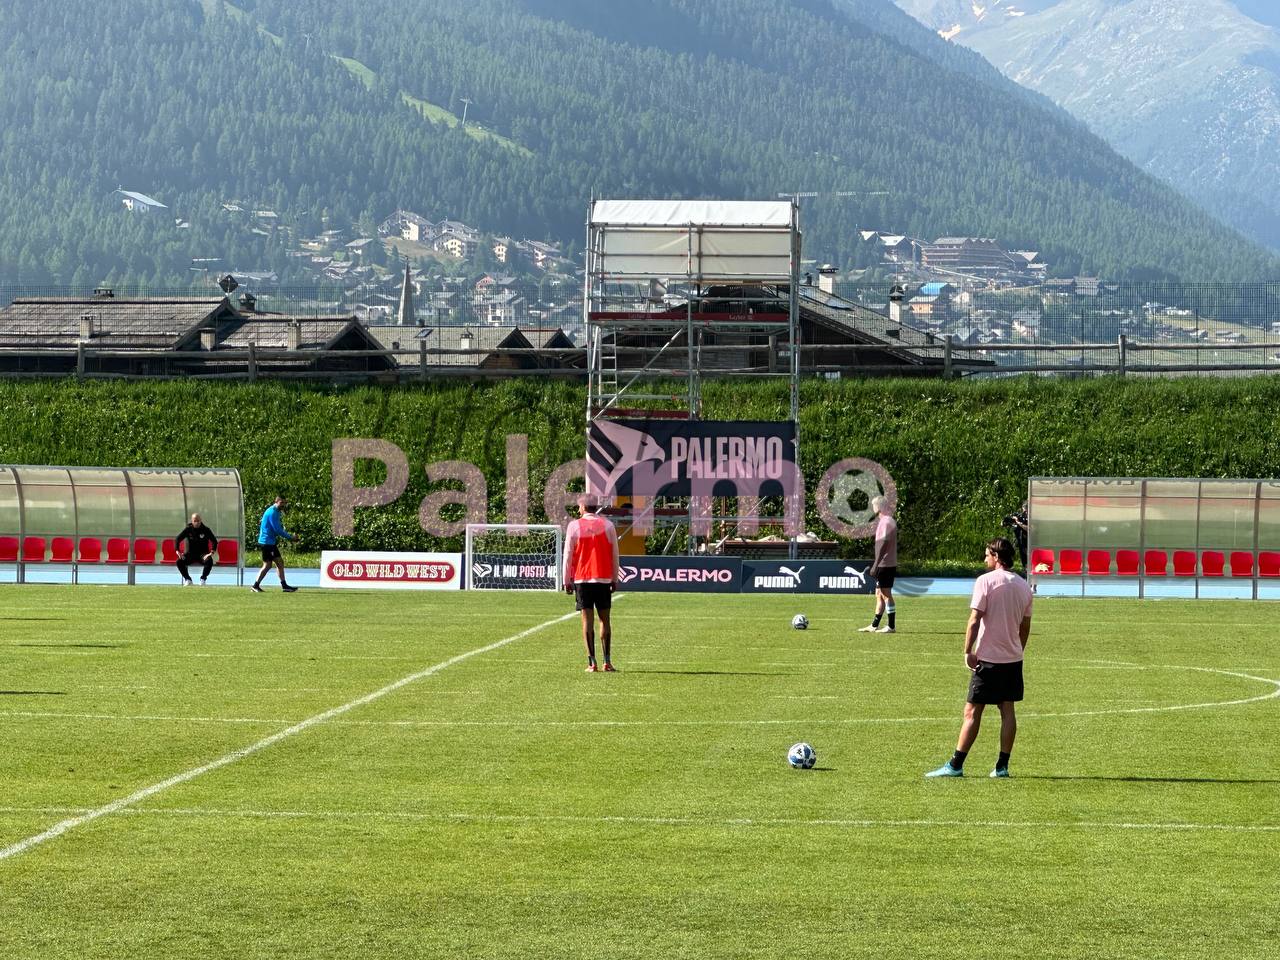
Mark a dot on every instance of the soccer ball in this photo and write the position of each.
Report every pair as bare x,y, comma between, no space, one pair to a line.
800,622
802,757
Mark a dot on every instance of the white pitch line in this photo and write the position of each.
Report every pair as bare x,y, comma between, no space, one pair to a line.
846,721
790,721
392,816
136,797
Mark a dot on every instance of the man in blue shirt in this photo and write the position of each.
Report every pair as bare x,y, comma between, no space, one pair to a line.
269,533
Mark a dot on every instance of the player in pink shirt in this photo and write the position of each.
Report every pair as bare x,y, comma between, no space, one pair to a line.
884,567
994,641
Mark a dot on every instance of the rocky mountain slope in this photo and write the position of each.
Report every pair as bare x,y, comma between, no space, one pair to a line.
1189,90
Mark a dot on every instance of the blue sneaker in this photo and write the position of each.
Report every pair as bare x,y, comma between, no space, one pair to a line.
999,773
946,770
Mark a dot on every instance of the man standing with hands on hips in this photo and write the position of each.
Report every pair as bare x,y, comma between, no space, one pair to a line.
591,574
994,640
884,568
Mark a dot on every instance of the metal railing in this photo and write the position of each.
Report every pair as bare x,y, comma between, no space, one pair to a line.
1088,326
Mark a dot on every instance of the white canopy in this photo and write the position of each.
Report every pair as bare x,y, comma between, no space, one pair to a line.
700,213
699,239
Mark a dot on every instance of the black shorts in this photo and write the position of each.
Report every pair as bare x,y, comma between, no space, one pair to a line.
270,552
885,577
593,595
996,682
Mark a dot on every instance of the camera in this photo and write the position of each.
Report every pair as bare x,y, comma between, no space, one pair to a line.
1010,521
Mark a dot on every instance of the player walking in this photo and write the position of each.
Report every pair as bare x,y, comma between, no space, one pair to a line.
994,642
269,533
884,567
591,574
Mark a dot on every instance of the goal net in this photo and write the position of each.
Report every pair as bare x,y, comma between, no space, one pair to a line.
503,556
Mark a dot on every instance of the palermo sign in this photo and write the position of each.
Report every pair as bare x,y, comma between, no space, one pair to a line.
390,571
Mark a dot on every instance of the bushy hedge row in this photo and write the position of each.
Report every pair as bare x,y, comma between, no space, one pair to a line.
960,452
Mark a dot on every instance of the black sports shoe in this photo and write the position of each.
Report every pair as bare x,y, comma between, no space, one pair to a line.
256,589
288,589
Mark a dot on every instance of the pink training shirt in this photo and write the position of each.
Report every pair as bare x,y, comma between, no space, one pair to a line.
1004,600
887,534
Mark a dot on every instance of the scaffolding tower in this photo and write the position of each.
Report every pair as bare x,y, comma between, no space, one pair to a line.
679,289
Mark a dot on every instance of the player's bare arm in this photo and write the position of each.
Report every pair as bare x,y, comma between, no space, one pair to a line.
971,639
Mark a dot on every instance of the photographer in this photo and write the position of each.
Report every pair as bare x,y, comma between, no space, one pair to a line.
1016,524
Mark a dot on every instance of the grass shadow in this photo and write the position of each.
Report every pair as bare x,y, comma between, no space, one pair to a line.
76,646
33,693
1034,776
718,673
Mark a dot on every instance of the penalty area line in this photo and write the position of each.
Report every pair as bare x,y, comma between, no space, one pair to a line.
116,806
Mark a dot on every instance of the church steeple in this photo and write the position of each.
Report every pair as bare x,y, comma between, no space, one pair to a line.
405,316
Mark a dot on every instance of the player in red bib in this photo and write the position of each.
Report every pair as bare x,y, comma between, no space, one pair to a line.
591,574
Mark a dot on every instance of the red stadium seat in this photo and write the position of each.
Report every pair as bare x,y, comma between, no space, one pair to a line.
1099,563
64,550
1241,563
1041,558
33,550
1184,563
1155,563
144,551
90,550
168,551
1126,563
1070,563
8,549
1269,564
227,552
117,550
1211,563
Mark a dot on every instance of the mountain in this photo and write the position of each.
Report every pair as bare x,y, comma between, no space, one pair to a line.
337,112
1189,90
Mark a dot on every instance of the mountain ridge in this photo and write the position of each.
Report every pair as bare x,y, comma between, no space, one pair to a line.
762,97
1189,90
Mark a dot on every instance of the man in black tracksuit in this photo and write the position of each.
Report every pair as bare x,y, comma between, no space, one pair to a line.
195,544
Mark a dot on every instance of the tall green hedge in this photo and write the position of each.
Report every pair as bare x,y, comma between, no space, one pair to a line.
960,452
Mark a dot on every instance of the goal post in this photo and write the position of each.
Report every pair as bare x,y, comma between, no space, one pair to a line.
508,556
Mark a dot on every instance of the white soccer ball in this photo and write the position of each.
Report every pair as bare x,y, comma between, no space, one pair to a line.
800,622
802,757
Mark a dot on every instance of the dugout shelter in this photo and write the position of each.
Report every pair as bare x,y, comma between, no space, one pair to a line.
60,524
1154,537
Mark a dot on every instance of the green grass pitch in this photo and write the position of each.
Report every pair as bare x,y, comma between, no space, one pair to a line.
508,805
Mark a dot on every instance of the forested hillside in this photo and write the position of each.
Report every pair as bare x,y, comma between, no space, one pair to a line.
348,109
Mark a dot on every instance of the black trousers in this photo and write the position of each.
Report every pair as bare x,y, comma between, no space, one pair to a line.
184,562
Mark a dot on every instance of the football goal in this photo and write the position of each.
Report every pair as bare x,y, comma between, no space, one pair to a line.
503,556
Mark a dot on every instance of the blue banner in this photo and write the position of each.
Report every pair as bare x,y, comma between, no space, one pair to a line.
683,574
807,576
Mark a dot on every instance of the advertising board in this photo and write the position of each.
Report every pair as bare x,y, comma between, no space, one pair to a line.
368,570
